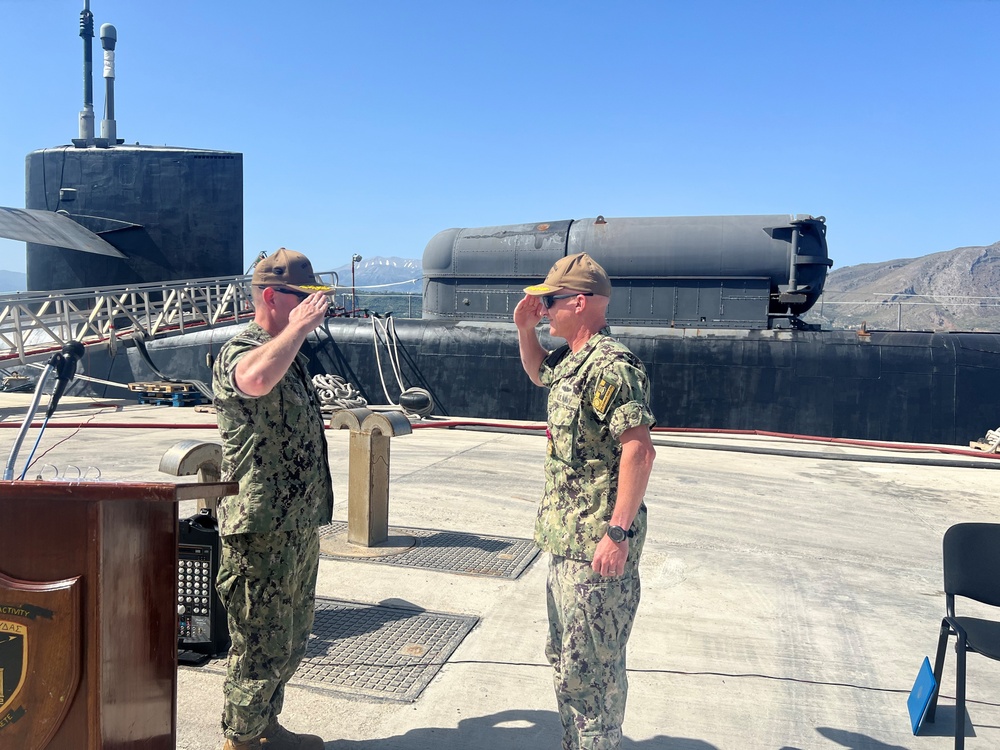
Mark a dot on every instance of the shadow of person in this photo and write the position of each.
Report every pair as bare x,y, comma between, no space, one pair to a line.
855,740
457,540
516,729
664,742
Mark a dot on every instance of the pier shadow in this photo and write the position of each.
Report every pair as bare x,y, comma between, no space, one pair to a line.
527,729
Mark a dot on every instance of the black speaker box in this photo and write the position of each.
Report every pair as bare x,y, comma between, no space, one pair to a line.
202,628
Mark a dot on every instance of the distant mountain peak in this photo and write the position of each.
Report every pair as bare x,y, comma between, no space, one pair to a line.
386,273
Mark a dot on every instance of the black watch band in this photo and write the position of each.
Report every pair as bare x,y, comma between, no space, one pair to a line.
618,535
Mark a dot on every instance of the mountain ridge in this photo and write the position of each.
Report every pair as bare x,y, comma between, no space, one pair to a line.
383,274
950,290
13,281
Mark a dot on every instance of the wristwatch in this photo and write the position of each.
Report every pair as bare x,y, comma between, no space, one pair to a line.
618,534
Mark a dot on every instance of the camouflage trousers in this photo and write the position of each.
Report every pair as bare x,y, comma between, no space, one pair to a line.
267,583
590,619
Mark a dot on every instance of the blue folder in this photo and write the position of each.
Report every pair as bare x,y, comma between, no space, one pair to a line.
920,695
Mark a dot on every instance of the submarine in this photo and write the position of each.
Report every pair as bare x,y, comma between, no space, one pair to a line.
713,305
101,212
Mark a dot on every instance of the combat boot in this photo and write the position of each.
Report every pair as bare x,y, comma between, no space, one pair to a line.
276,737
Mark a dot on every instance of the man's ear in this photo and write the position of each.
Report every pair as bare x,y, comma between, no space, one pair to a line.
267,294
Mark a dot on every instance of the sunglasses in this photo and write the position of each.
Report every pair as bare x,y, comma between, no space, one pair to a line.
302,296
550,299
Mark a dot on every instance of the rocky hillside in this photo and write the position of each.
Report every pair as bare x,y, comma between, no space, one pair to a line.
954,290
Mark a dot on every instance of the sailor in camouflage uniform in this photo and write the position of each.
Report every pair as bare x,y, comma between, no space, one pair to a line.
592,519
273,445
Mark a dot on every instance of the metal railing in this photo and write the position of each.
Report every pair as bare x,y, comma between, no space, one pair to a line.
34,324
400,304
905,311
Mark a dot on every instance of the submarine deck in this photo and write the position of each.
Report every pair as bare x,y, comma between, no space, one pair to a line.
790,589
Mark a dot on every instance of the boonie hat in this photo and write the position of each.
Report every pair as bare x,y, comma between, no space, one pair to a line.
579,272
287,269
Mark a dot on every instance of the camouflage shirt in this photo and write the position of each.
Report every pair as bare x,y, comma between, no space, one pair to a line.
273,446
595,395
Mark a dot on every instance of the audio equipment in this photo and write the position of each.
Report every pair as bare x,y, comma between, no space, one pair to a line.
202,629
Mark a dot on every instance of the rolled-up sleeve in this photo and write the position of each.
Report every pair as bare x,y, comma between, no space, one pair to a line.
630,405
225,385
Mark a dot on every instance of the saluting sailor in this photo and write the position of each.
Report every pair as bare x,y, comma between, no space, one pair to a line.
592,519
273,444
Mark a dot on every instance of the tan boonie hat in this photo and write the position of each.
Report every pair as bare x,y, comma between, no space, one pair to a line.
579,272
288,269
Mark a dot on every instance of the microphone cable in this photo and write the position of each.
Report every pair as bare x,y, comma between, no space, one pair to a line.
38,439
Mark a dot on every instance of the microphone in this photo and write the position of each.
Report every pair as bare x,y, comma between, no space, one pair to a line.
64,363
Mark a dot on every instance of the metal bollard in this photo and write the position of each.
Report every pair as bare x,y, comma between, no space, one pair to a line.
190,457
368,471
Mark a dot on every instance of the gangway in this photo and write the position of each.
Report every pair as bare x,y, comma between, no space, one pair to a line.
34,325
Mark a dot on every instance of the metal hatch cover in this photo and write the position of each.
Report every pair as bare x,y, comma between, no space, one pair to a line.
450,551
379,651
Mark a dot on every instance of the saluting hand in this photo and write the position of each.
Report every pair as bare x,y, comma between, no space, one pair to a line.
529,312
309,313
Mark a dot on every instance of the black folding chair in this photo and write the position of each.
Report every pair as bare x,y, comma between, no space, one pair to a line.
971,570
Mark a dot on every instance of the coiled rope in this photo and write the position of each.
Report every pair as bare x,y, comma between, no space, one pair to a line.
337,393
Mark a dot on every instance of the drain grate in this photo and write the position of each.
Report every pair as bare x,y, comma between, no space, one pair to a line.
375,651
379,651
495,556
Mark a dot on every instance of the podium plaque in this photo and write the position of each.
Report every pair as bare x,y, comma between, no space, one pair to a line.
88,613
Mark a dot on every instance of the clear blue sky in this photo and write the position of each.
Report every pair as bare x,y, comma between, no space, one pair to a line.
369,127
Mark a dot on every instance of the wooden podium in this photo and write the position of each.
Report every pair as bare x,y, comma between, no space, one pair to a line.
88,613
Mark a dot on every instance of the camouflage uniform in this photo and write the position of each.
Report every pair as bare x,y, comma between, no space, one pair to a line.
595,395
275,448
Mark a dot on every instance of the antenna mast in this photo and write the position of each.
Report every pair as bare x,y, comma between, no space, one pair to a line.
87,113
109,37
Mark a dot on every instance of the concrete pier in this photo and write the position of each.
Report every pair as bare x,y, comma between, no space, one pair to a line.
791,589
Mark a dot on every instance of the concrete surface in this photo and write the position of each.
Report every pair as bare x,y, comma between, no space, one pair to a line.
790,589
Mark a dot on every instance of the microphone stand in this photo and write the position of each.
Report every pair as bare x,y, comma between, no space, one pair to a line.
64,364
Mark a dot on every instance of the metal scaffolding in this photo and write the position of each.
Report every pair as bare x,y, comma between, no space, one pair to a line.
33,325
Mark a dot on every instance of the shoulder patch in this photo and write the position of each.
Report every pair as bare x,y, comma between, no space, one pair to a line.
605,392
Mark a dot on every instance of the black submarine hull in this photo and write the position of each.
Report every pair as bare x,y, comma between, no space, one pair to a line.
918,387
